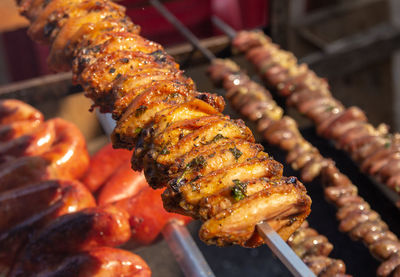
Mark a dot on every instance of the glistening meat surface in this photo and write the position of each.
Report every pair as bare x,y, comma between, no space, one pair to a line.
163,117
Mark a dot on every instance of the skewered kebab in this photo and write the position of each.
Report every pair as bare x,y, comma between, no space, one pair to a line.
124,182
373,148
313,252
255,102
174,129
306,242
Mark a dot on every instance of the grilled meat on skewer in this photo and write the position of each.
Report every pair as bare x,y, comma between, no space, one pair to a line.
354,213
347,127
164,118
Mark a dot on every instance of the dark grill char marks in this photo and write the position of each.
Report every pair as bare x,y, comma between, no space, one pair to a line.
159,112
354,213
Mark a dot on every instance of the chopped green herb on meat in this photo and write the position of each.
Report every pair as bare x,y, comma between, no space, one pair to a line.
198,162
138,130
139,111
164,151
236,152
217,137
239,190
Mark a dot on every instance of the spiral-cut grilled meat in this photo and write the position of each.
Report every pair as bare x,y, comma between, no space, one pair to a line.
354,213
165,119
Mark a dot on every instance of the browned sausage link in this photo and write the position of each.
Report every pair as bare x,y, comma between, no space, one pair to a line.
31,144
12,110
313,249
96,262
92,227
359,220
66,158
39,196
387,267
46,201
17,129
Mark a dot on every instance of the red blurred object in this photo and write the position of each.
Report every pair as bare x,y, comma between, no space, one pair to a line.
25,59
111,170
193,13
103,165
124,183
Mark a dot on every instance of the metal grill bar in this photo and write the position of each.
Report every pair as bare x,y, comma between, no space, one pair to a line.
35,91
185,250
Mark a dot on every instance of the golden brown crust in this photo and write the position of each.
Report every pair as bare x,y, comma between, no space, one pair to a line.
164,118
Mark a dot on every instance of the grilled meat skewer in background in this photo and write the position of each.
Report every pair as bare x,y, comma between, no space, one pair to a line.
354,213
255,102
373,148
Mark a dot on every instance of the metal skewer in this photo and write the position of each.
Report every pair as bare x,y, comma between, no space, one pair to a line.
179,240
294,264
228,30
